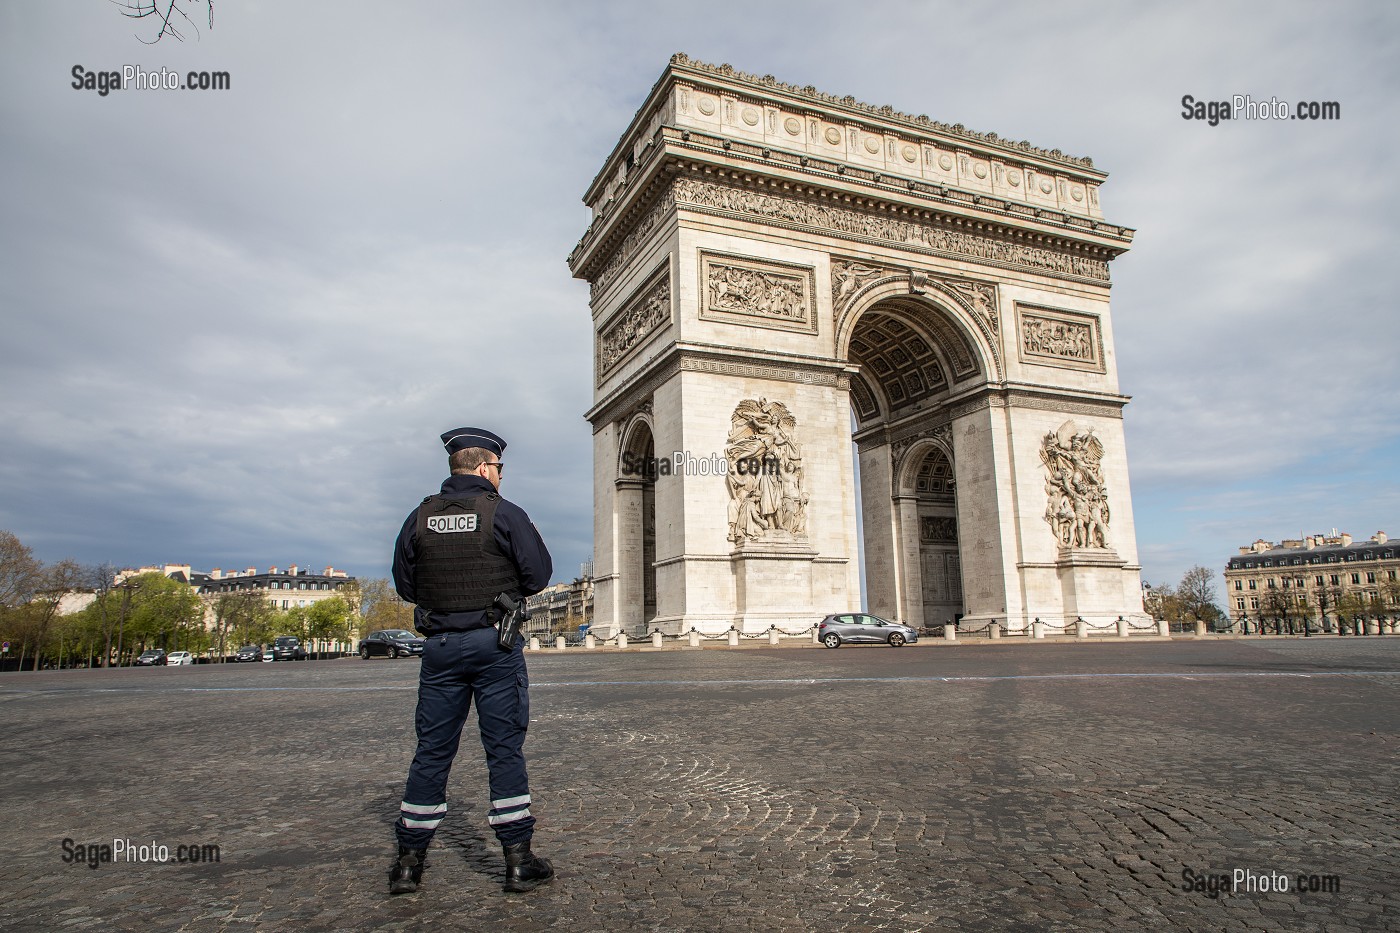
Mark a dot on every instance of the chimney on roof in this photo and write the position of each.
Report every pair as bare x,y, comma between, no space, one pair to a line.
251,572
216,574
292,570
1379,537
329,571
272,570
1346,539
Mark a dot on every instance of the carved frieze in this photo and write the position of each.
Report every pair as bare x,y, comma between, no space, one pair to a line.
767,496
759,293
1066,339
877,226
938,529
643,314
1077,498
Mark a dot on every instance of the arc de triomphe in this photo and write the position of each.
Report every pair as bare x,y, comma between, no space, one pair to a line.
776,271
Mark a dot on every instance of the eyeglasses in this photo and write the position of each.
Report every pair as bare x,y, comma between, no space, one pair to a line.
500,467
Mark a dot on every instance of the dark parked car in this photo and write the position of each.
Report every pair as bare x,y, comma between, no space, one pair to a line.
288,648
860,627
249,653
392,643
151,657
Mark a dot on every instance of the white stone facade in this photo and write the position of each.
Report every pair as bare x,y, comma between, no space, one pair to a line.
769,264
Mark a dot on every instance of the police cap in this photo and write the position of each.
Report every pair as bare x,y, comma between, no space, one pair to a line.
462,438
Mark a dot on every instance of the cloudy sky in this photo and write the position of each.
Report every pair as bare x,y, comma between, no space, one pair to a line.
235,322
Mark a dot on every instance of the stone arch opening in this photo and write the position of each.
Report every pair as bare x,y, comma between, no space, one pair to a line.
929,478
911,356
636,492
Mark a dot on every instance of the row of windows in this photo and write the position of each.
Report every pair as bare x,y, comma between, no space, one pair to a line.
1333,580
1299,600
275,584
1316,559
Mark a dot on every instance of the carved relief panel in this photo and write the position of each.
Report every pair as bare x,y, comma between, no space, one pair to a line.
1066,339
759,293
647,311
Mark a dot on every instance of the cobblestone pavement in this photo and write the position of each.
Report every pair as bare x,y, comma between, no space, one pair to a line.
990,787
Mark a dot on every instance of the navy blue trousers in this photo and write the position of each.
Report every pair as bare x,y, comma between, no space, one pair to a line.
457,668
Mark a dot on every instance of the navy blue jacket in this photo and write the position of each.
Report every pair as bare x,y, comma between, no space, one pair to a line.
515,535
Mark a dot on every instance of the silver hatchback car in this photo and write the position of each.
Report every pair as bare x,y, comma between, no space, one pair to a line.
862,628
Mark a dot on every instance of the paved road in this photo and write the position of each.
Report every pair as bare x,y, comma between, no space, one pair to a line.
990,787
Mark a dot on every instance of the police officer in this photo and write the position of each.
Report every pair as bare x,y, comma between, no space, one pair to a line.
457,551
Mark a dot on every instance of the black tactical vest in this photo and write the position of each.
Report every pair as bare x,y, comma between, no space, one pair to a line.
459,567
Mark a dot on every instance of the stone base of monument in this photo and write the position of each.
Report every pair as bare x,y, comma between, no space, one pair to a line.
773,577
1091,583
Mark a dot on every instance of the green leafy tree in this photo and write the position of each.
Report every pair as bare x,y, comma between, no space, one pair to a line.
381,607
329,619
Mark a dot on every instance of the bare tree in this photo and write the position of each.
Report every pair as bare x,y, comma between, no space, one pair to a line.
19,572
169,13
1196,597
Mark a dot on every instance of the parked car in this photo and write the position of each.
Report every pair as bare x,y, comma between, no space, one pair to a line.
151,657
288,648
267,654
391,643
179,658
860,627
249,653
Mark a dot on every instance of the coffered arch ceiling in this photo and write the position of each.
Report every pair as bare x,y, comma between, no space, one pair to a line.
910,354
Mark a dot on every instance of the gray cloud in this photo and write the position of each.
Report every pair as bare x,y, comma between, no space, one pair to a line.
235,323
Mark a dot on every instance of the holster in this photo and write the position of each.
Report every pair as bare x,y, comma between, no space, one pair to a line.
514,615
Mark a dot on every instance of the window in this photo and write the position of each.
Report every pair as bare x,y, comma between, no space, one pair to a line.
1370,577
1254,602
1299,582
1336,580
1317,580
1391,575
1287,583
1254,584
1239,603
1356,579
1239,584
1272,584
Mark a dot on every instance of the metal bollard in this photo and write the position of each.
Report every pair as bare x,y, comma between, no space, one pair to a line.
1081,629
656,639
622,639
1122,627
773,636
1037,629
994,630
1164,628
733,638
559,642
589,641
950,632
534,643
694,638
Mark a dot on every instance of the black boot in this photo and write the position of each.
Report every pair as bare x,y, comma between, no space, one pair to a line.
407,871
525,871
